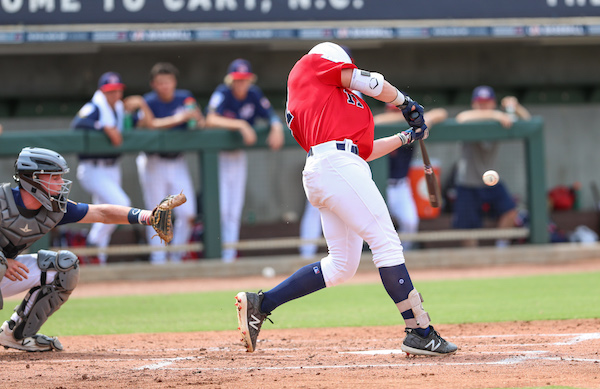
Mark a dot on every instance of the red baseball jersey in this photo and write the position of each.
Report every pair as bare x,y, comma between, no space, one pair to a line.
320,109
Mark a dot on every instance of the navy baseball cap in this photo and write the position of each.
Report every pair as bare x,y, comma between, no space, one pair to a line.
240,69
483,92
110,81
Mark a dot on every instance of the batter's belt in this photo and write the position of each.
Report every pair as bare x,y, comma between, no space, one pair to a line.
346,145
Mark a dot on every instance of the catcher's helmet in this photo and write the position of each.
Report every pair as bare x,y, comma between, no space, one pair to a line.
33,161
332,52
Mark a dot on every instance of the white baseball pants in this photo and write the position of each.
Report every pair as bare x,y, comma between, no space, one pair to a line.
159,178
103,183
11,288
233,172
340,185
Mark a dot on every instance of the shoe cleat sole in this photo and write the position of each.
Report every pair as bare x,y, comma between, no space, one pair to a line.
242,321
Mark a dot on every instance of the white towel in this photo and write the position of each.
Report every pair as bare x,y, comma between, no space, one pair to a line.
108,116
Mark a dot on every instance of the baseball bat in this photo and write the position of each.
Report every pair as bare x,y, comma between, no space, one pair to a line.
433,186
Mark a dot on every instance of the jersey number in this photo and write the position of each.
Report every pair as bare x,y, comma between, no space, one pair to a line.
352,100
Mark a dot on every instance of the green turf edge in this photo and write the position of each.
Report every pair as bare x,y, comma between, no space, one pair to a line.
544,297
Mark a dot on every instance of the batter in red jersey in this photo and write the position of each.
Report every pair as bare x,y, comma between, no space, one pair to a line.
335,127
319,110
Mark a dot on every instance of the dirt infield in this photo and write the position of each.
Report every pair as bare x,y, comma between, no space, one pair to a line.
490,355
530,354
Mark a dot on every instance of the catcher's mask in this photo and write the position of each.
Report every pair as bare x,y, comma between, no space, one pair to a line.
34,161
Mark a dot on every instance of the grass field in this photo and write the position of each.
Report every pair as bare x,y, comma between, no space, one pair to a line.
568,296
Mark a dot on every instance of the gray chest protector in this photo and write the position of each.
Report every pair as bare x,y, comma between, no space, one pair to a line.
18,232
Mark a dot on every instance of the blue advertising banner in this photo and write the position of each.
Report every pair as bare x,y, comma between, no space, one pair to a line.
342,33
51,12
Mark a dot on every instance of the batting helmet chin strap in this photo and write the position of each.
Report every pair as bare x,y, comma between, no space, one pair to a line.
42,301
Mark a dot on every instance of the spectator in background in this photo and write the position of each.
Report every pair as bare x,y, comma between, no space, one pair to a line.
478,157
236,105
400,200
100,174
310,230
161,174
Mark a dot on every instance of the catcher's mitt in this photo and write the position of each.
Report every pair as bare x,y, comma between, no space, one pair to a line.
161,216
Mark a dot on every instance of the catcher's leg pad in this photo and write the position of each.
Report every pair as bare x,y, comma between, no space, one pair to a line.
414,302
42,301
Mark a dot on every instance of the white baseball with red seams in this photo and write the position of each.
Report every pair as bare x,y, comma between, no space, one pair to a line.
490,177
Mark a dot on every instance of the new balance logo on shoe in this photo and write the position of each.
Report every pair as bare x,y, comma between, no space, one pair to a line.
432,345
254,322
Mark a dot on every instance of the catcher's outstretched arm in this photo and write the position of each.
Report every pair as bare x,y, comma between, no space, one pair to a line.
109,214
159,218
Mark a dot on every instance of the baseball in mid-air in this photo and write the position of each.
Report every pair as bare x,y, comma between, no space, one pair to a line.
491,177
268,272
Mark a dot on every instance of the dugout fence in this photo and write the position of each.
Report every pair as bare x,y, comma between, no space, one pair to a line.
207,143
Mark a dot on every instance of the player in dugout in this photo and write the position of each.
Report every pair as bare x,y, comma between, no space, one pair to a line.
478,157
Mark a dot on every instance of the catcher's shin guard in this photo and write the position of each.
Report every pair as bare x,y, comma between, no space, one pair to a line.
42,301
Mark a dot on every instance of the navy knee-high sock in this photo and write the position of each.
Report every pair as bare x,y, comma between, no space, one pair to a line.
304,281
398,285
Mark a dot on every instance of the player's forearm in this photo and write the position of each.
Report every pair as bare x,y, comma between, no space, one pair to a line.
384,146
522,112
166,122
218,121
389,117
107,214
477,115
148,117
389,94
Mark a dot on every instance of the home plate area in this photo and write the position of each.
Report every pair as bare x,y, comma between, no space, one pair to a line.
321,354
509,354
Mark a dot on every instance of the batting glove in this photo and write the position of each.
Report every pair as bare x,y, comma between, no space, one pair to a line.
420,133
412,134
413,112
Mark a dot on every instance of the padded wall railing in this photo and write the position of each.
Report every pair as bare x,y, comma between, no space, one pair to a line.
207,143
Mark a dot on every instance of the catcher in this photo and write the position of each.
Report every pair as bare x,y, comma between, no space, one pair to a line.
28,212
